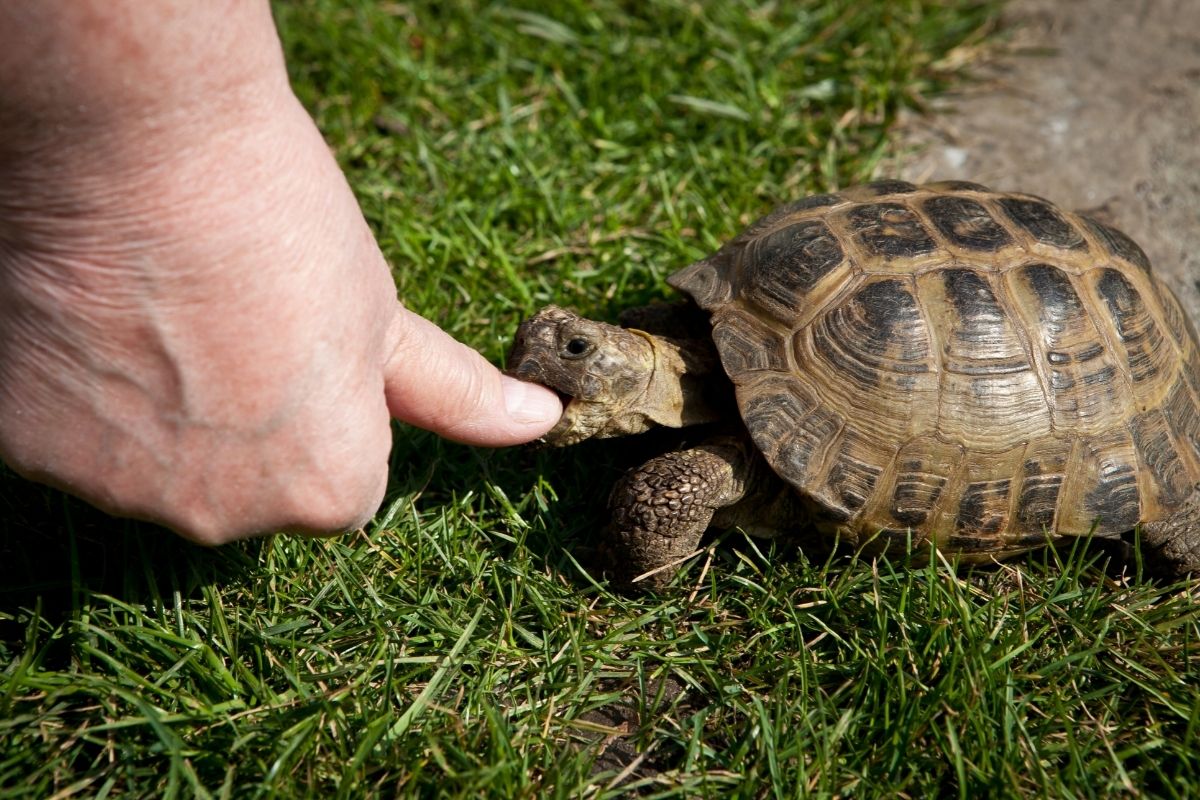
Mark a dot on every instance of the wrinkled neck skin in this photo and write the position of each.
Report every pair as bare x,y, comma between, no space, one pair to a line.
672,394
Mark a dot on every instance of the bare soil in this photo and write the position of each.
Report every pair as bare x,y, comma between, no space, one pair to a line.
1094,104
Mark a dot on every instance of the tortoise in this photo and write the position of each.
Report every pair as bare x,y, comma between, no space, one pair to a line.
897,366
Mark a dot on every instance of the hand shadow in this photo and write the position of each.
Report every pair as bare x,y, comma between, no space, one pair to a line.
56,551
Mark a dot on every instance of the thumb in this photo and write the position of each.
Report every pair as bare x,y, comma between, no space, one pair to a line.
435,382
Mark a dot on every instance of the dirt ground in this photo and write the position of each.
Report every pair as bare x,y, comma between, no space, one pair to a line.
1094,104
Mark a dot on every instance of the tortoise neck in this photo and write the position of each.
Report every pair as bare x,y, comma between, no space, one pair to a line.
680,391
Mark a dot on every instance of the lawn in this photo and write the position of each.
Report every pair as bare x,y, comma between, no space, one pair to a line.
507,156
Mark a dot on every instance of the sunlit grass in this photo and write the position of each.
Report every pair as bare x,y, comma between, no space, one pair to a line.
577,152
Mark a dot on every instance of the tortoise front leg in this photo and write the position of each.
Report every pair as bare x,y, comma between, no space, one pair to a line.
661,509
1172,546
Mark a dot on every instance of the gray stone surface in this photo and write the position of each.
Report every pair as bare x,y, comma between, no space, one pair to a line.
1094,104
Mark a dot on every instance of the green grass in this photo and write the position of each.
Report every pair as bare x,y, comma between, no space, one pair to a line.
577,152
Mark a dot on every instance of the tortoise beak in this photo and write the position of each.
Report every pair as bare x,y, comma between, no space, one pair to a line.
534,355
526,369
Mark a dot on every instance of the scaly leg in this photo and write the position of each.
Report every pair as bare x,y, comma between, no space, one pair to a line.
661,509
1172,545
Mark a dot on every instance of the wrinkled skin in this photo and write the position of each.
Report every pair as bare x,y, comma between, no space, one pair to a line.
196,325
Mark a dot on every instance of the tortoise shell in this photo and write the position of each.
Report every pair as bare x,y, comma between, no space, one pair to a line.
950,363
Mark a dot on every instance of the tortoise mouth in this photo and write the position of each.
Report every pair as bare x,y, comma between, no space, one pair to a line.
533,371
563,397
559,435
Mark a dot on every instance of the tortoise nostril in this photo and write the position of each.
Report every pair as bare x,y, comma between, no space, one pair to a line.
527,370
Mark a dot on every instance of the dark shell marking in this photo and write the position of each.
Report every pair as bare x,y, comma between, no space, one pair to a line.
877,331
966,223
782,266
852,477
954,364
881,188
1042,477
1154,442
1083,381
1145,352
890,230
1043,222
1118,244
1111,498
788,425
983,507
986,373
1183,418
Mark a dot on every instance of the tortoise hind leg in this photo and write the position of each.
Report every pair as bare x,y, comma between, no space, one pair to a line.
1172,545
661,509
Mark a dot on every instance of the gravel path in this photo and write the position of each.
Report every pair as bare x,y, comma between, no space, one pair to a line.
1096,106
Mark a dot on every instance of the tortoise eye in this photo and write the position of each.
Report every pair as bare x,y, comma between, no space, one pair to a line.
576,348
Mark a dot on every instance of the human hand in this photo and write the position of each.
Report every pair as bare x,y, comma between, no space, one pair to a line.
196,325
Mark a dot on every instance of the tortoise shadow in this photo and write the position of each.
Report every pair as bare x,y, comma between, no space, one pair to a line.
569,538
572,485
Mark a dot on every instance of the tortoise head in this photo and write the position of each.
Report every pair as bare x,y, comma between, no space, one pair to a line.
602,373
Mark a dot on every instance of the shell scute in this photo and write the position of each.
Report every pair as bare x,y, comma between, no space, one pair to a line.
789,425
1043,471
802,451
747,345
1156,446
873,359
1084,389
1102,486
989,394
1043,222
705,282
983,507
854,470
1118,244
1183,415
779,269
1148,357
925,468
880,189
956,186
877,332
966,223
889,231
